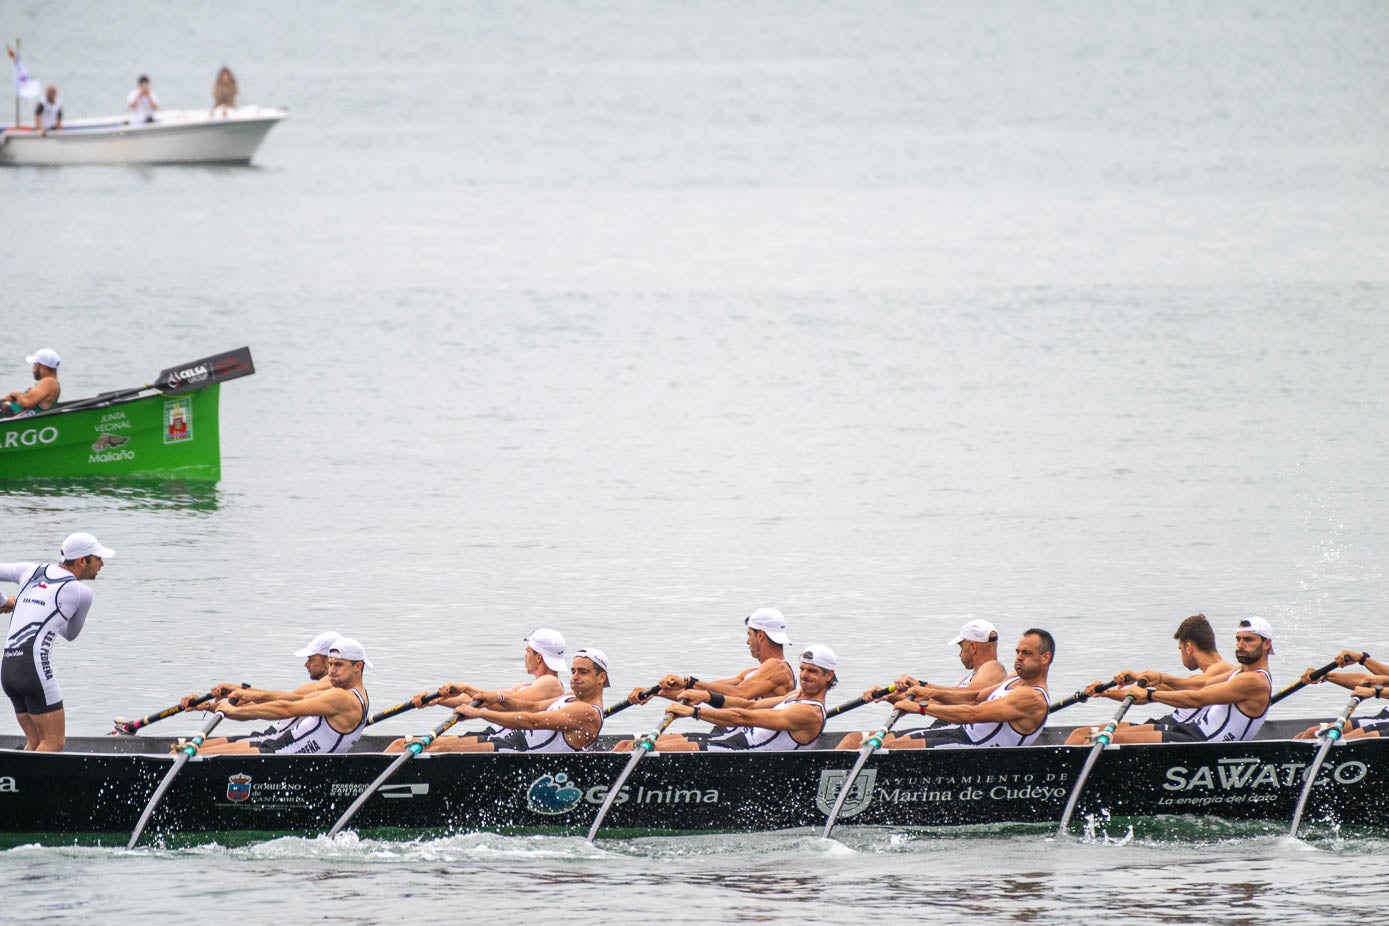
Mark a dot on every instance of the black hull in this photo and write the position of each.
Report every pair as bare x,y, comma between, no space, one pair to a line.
92,796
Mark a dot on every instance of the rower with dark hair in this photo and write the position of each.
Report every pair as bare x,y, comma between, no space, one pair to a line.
1363,685
793,721
1232,709
569,723
1011,713
1196,646
330,721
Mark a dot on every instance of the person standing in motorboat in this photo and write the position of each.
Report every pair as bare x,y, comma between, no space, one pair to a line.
48,112
39,397
142,102
223,93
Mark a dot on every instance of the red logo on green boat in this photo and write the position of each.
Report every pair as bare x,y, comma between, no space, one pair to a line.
178,420
238,788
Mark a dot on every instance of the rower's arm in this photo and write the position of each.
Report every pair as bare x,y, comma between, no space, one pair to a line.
41,391
1024,703
798,718
324,704
772,678
937,694
727,686
578,717
544,688
1243,687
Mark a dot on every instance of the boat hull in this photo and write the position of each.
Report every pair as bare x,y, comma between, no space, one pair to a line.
153,435
98,797
180,137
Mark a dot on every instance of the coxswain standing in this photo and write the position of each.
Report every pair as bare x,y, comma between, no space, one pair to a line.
52,601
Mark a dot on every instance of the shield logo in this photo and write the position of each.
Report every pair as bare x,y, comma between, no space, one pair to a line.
239,788
831,780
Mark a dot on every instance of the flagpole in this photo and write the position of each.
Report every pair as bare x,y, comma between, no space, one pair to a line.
19,54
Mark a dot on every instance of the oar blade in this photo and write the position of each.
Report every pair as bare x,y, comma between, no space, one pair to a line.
199,374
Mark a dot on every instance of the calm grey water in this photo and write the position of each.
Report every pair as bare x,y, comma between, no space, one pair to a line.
627,318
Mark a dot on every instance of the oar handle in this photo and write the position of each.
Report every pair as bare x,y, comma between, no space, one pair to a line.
1078,697
623,705
860,701
403,707
1299,685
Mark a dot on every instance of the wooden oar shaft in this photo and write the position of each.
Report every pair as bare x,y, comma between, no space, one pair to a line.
860,701
1102,739
1329,736
639,749
1299,685
186,753
1078,697
402,708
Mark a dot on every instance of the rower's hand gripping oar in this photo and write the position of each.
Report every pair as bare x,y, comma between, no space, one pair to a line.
1102,739
187,752
1329,736
644,694
131,727
402,708
860,701
411,750
1331,666
639,749
1078,697
869,745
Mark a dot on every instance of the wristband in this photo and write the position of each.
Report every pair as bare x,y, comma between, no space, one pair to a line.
921,707
1379,691
1150,695
695,713
716,700
691,681
1363,657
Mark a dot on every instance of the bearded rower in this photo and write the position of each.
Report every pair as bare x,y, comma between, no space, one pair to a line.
544,660
569,723
330,721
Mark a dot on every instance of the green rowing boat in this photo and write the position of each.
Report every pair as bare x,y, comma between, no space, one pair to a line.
166,429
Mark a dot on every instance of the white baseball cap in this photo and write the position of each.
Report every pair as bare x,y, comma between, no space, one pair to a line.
818,654
770,622
320,644
550,645
83,544
1257,625
979,631
349,649
46,356
599,659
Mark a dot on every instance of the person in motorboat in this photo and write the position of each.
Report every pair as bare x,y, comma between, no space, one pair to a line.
1011,713
569,723
330,721
52,602
1229,710
544,660
48,112
142,102
793,721
978,643
223,93
315,664
1362,685
41,396
1196,646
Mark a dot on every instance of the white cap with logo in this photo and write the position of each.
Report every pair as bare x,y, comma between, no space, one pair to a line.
978,631
550,645
599,659
83,544
349,649
770,622
46,356
1257,625
818,654
320,644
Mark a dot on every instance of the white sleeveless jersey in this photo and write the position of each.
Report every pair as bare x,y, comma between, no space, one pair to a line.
314,735
759,739
51,602
1003,734
1226,722
544,740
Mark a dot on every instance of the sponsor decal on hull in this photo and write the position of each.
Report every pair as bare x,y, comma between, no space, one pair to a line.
559,793
178,420
1247,781
397,792
29,437
831,780
8,785
244,793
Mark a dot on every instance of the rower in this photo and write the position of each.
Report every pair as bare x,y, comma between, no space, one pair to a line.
1196,646
1229,710
569,723
315,664
978,642
544,659
1011,713
39,397
330,721
1362,683
52,601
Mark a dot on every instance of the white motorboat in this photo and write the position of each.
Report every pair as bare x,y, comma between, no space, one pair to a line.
177,136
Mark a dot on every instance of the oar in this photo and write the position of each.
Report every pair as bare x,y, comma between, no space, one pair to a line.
186,377
872,743
641,748
411,750
1078,697
131,727
186,753
1102,739
1298,686
623,705
1329,736
401,708
858,702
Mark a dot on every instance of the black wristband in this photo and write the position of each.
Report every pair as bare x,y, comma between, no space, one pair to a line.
695,713
1363,657
1379,691
715,700
691,681
1150,695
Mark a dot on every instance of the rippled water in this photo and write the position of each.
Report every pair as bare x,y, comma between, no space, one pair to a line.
628,318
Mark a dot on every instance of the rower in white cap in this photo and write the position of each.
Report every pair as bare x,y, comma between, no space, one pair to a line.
41,396
52,602
315,654
794,721
544,659
329,721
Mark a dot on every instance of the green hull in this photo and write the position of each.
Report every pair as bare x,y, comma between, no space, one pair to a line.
168,437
